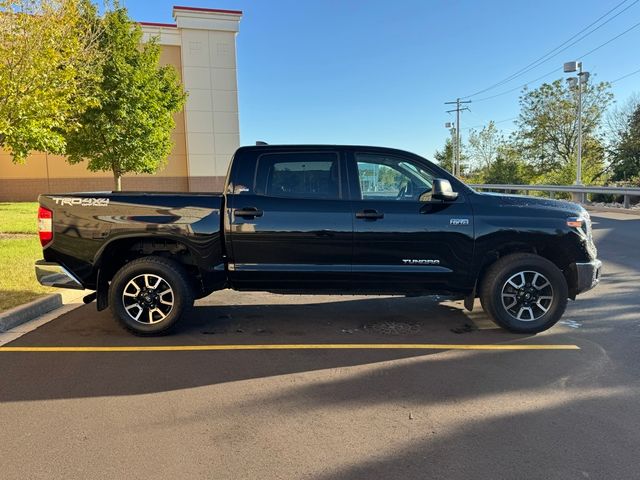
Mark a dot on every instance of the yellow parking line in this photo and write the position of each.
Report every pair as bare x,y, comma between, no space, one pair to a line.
298,346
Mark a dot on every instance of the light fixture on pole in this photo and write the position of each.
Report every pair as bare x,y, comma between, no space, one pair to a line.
452,128
581,79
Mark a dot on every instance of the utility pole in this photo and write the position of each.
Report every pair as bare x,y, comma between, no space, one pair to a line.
457,150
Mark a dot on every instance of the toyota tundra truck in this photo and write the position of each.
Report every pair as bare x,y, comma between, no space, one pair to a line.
319,219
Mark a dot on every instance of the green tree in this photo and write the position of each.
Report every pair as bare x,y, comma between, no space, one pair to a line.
483,146
548,128
508,166
625,160
49,67
444,157
130,130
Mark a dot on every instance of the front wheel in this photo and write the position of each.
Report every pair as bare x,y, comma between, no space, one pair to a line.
149,295
524,293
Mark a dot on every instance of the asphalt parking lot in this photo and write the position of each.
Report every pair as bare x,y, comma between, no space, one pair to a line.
457,401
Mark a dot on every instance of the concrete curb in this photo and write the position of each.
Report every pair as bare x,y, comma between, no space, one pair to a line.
23,313
626,211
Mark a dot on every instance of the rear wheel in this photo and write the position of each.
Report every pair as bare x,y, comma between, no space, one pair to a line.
149,295
524,293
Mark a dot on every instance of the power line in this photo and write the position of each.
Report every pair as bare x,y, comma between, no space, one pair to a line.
485,124
611,40
557,50
516,88
625,76
555,69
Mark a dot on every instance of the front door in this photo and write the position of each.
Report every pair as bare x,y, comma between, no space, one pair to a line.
292,229
403,239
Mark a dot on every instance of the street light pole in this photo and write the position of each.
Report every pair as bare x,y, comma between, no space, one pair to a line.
579,162
571,67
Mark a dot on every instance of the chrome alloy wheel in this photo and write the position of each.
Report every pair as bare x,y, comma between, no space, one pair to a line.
527,295
148,298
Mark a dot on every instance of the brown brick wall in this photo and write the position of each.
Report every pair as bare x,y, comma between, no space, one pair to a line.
28,189
206,184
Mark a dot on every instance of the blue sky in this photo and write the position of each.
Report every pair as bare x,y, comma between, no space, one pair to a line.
378,72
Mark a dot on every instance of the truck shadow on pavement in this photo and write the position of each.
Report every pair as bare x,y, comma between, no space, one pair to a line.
34,376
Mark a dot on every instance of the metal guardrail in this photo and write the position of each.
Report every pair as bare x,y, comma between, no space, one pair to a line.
578,192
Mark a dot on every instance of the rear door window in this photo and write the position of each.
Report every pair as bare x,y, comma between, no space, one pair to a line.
314,175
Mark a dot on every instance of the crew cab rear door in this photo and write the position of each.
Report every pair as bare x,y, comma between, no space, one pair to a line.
290,225
404,240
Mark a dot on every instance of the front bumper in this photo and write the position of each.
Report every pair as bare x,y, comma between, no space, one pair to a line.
51,274
587,275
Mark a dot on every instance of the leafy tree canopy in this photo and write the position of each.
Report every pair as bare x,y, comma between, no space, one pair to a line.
548,129
483,146
508,167
129,131
49,67
625,161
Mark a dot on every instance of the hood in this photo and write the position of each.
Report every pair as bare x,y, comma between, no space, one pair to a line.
525,201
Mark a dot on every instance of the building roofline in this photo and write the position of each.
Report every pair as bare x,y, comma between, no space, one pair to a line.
156,24
213,10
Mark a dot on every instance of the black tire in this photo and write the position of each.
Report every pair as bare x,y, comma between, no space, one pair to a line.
156,316
498,291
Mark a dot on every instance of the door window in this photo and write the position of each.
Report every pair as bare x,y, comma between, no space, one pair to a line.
299,175
390,178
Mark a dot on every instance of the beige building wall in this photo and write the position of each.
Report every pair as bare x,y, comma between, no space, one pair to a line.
206,132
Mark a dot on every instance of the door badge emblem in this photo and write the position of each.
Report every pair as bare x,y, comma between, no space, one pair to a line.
459,221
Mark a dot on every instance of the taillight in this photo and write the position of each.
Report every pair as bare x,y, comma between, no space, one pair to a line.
45,225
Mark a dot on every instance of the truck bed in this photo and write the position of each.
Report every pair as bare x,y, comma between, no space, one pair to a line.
87,224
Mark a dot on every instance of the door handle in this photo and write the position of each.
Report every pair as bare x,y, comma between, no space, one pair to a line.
248,212
370,214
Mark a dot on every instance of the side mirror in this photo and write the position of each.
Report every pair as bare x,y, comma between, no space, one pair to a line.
442,190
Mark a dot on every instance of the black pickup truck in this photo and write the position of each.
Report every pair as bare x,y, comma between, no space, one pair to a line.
319,219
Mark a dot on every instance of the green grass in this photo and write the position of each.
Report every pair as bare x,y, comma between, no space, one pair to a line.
18,282
20,217
19,249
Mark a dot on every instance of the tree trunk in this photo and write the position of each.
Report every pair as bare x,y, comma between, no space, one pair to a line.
117,182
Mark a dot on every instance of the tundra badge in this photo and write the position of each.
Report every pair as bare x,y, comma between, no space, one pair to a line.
420,261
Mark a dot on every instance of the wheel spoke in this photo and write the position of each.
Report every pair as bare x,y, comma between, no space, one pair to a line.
539,287
535,279
525,309
134,305
512,296
134,285
517,285
541,307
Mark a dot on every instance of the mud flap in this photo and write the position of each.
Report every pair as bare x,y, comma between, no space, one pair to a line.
102,292
470,299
